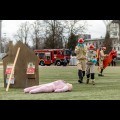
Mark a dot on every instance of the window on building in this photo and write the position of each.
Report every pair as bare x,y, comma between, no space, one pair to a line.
118,48
100,43
114,48
86,43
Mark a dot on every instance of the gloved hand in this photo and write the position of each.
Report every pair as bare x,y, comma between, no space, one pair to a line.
94,61
80,45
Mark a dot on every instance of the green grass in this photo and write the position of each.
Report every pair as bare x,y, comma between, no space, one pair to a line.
106,88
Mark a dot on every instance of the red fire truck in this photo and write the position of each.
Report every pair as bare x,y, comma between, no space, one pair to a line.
53,56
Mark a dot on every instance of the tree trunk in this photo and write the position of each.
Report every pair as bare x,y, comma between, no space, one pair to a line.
119,30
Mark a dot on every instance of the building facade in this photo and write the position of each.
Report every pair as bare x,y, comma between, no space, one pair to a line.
0,34
96,42
85,36
99,43
114,30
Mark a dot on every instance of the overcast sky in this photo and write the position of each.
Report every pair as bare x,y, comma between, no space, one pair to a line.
96,27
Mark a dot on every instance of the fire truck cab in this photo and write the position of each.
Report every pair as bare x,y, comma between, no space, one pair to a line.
53,56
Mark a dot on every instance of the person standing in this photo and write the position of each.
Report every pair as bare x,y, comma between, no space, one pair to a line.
91,61
80,51
114,59
102,56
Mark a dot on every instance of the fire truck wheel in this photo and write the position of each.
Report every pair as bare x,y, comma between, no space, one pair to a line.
42,63
58,63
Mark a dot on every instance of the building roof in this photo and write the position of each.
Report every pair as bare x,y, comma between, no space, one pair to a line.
94,39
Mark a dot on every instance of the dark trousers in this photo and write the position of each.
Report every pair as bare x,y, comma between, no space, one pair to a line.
92,76
81,74
113,63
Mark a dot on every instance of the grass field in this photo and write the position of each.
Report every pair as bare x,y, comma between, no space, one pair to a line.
106,88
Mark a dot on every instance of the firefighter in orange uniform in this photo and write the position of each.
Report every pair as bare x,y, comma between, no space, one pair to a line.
101,58
80,51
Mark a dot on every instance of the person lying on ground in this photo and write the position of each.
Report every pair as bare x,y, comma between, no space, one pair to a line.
56,86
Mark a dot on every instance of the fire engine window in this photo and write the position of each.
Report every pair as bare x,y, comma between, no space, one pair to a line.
48,57
60,52
55,52
41,55
36,54
67,52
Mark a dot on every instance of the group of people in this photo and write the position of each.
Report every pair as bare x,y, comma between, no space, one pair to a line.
86,60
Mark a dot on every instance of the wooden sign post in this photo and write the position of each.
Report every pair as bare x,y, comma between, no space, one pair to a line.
13,68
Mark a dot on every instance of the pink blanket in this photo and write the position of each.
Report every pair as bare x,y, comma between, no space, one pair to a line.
57,86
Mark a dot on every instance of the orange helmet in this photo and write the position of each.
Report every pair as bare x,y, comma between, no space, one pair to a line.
91,47
81,41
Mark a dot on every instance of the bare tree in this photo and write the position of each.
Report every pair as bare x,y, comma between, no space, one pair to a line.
54,34
107,43
73,28
4,44
23,33
37,31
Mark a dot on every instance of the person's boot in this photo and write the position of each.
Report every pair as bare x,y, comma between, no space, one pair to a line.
83,74
80,80
80,74
93,78
88,76
93,81
100,74
87,82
